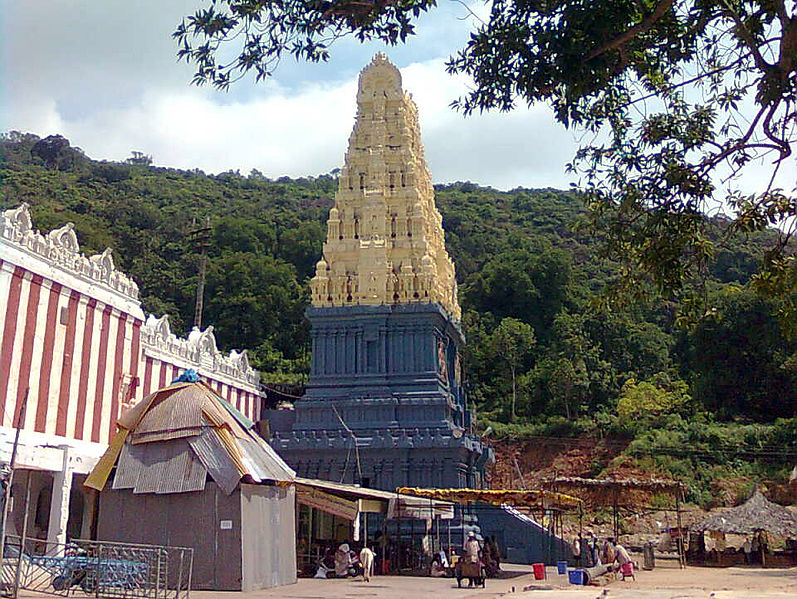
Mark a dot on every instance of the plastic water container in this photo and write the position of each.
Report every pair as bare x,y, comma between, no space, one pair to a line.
575,577
539,571
561,567
627,569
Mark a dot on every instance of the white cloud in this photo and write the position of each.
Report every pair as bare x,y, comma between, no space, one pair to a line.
306,132
105,76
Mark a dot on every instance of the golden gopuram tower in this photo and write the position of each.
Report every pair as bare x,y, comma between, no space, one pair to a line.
385,242
385,378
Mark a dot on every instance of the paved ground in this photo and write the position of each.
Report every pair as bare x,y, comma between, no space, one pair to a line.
661,583
665,582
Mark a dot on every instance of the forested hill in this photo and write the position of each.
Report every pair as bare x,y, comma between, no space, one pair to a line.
540,357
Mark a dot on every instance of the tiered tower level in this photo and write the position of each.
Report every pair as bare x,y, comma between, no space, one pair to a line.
385,242
386,371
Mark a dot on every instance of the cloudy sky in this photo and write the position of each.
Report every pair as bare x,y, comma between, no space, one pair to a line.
103,73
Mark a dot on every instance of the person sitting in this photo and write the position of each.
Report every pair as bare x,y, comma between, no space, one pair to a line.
624,562
439,564
576,549
326,565
607,556
343,562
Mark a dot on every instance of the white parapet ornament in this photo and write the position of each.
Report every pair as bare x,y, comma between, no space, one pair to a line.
198,351
57,256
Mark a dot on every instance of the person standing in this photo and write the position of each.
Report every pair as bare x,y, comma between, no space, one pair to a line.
595,551
607,556
472,549
495,552
586,550
576,549
472,555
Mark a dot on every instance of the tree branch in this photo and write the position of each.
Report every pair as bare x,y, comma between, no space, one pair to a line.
747,38
640,27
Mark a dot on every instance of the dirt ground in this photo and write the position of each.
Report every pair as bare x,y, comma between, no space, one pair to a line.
667,582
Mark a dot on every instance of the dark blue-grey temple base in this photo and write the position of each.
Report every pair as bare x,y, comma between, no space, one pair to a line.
388,380
385,408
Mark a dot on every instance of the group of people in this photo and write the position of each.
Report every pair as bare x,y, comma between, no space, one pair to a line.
343,562
588,551
486,554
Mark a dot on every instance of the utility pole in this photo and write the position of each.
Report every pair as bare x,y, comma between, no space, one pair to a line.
9,481
201,237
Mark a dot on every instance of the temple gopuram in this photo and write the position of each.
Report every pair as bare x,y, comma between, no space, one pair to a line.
385,405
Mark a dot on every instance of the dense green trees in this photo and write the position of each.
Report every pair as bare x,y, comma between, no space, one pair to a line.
539,346
677,98
542,357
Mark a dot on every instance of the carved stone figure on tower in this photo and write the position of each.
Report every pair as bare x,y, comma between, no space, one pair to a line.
385,242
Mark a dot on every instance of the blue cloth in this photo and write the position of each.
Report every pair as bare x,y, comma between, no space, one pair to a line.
189,376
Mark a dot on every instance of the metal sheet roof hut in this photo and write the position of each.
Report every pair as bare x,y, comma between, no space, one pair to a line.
186,468
756,514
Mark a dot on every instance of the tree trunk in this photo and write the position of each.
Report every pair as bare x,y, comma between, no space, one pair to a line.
514,395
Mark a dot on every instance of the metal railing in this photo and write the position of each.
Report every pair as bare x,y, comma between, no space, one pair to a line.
96,569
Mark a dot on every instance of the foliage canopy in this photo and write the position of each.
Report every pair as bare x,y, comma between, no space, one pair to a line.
679,98
541,352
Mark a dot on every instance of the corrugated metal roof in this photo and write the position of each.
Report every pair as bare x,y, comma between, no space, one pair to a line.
169,467
130,418
170,441
409,505
149,437
237,414
275,457
178,410
214,457
354,490
131,461
222,418
159,468
264,466
98,477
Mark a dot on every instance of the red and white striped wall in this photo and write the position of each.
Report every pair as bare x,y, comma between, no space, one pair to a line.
75,354
72,332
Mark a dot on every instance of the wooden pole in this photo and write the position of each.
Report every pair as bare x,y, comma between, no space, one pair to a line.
309,533
681,556
11,465
24,535
615,517
520,474
449,553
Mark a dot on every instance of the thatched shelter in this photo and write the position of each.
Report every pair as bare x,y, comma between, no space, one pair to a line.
622,492
187,469
757,514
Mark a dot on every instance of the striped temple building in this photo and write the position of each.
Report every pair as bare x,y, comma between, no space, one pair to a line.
74,336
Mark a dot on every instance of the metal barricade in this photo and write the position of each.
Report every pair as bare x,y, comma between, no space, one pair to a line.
96,569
